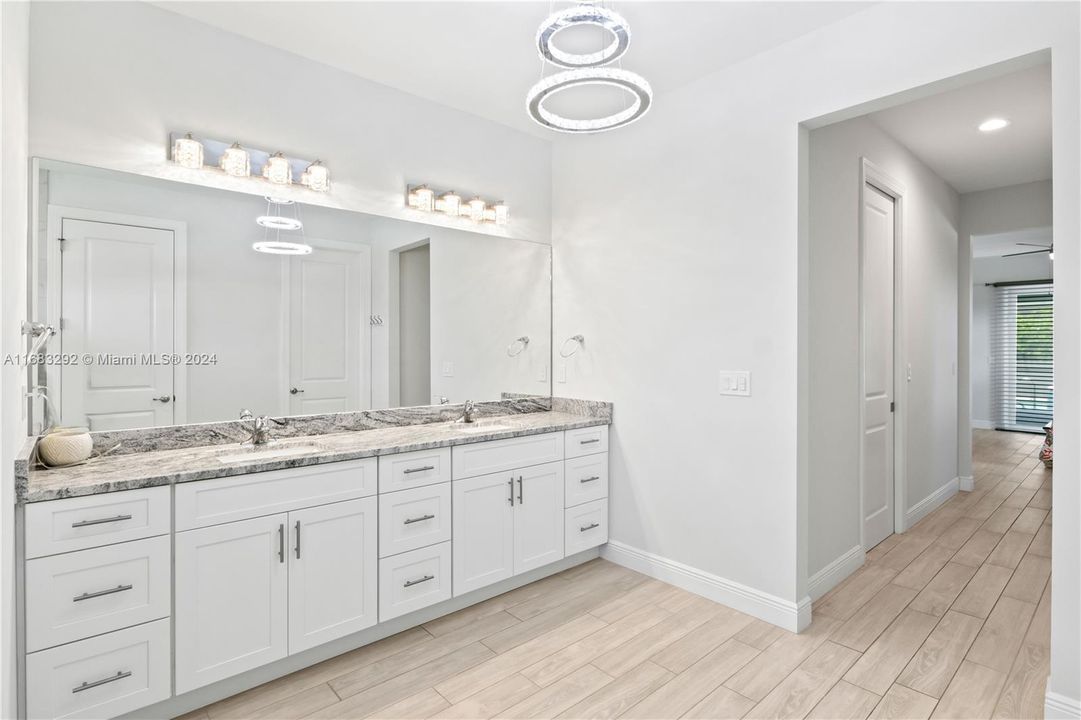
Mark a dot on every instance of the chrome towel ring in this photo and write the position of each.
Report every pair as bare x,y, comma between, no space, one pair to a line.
578,341
517,347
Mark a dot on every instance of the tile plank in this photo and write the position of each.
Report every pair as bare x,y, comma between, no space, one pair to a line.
933,666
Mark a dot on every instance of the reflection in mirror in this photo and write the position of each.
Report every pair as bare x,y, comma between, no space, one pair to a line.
167,314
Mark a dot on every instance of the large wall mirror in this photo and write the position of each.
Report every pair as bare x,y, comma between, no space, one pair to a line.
167,315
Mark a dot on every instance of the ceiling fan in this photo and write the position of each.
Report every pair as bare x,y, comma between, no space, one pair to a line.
1049,249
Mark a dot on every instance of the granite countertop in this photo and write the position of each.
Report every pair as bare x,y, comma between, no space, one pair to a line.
165,467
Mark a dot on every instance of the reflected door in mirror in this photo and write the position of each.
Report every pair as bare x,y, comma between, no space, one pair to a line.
117,319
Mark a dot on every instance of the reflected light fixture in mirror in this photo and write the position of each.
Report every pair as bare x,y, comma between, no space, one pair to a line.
275,221
423,198
450,203
476,210
236,161
277,170
316,177
188,152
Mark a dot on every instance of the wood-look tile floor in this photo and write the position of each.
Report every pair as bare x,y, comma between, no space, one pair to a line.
949,620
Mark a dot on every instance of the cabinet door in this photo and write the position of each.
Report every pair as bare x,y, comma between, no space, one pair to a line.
231,593
483,531
538,521
333,571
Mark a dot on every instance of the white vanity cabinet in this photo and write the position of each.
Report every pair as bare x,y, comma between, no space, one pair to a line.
255,590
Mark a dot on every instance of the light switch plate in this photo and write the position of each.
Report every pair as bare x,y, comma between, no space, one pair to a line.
735,382
561,372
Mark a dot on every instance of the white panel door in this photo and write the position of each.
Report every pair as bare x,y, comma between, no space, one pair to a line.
116,301
231,592
328,298
877,218
538,516
333,573
483,530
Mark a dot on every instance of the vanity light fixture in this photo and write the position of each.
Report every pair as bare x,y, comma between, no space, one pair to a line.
242,162
425,199
316,177
585,69
235,161
188,152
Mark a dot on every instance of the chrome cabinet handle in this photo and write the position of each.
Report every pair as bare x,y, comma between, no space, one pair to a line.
120,675
407,471
294,391
162,399
100,521
422,518
590,479
281,543
101,593
418,581
298,539
519,489
588,442
511,500
589,527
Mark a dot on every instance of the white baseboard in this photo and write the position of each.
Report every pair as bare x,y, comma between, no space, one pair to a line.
778,611
966,483
931,502
1060,707
983,425
830,576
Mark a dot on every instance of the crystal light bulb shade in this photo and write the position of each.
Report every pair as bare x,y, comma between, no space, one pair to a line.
641,96
236,161
316,177
278,170
281,247
188,152
501,213
451,203
476,210
422,198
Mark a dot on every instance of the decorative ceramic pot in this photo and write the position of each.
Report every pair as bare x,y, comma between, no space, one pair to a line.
65,446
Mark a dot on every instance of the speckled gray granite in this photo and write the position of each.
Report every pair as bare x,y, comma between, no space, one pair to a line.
153,467
592,408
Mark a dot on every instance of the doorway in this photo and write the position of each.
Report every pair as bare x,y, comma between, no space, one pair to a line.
414,326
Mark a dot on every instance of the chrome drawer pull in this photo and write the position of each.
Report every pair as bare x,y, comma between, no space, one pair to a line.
418,581
422,518
407,471
281,543
100,521
120,675
589,527
588,442
590,479
101,593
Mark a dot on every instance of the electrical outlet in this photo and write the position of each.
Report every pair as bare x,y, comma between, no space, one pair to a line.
561,372
448,368
735,382
542,374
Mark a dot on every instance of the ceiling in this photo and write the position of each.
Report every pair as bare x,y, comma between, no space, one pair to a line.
941,131
1005,243
479,57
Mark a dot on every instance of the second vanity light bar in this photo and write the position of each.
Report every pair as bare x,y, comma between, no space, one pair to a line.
425,199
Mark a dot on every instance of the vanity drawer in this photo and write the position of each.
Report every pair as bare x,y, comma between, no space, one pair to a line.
102,677
411,519
213,502
413,469
413,580
494,456
587,441
59,526
76,595
586,526
586,479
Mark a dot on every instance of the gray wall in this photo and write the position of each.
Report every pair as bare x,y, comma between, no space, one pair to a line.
414,329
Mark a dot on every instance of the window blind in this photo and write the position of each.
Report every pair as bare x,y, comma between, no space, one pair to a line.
1022,356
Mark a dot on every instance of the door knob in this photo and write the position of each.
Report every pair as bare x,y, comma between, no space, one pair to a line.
294,391
162,399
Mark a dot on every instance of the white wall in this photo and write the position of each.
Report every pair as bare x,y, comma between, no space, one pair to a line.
928,299
112,80
14,104
677,251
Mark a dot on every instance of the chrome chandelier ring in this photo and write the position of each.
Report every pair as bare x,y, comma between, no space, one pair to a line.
632,83
584,14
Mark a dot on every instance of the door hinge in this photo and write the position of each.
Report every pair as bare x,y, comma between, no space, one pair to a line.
63,323
893,406
62,241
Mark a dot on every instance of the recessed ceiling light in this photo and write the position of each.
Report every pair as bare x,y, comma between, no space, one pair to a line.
992,124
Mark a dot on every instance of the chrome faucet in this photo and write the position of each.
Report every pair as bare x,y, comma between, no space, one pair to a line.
260,428
468,412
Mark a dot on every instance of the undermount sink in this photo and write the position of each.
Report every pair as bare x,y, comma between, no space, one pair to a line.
268,452
474,428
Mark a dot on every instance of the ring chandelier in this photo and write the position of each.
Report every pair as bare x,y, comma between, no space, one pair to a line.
585,69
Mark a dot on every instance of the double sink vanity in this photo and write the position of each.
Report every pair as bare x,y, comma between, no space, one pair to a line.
155,572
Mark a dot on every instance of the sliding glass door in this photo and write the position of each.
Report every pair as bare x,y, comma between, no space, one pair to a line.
1022,357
